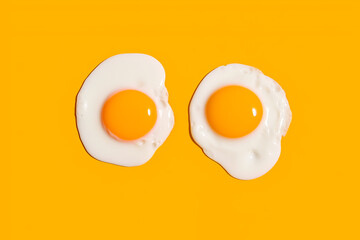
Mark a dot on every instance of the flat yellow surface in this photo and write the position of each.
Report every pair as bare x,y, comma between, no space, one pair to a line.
57,191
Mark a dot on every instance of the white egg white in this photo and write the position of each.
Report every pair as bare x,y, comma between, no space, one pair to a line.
255,154
124,71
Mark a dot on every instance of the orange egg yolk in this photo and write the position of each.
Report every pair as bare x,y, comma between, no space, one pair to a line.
233,111
129,115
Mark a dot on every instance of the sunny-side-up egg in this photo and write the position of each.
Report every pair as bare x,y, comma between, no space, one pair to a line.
238,117
122,110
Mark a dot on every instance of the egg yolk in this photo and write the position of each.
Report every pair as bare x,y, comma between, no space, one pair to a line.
233,111
129,114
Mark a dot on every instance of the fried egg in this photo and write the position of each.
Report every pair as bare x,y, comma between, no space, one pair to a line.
238,117
122,110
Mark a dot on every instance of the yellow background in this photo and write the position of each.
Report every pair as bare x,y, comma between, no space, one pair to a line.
57,191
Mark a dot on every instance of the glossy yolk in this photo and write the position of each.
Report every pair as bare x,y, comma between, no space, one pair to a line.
233,111
129,115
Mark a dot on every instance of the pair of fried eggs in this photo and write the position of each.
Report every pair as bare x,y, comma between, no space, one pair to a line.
237,115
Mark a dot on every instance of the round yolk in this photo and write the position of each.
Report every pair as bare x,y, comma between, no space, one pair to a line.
233,111
129,114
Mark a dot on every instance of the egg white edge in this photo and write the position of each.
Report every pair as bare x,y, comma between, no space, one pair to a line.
241,157
118,73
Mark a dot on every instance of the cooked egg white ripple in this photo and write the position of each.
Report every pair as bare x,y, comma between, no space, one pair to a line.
255,154
121,72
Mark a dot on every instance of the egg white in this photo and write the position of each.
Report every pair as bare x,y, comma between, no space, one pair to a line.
124,71
255,154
